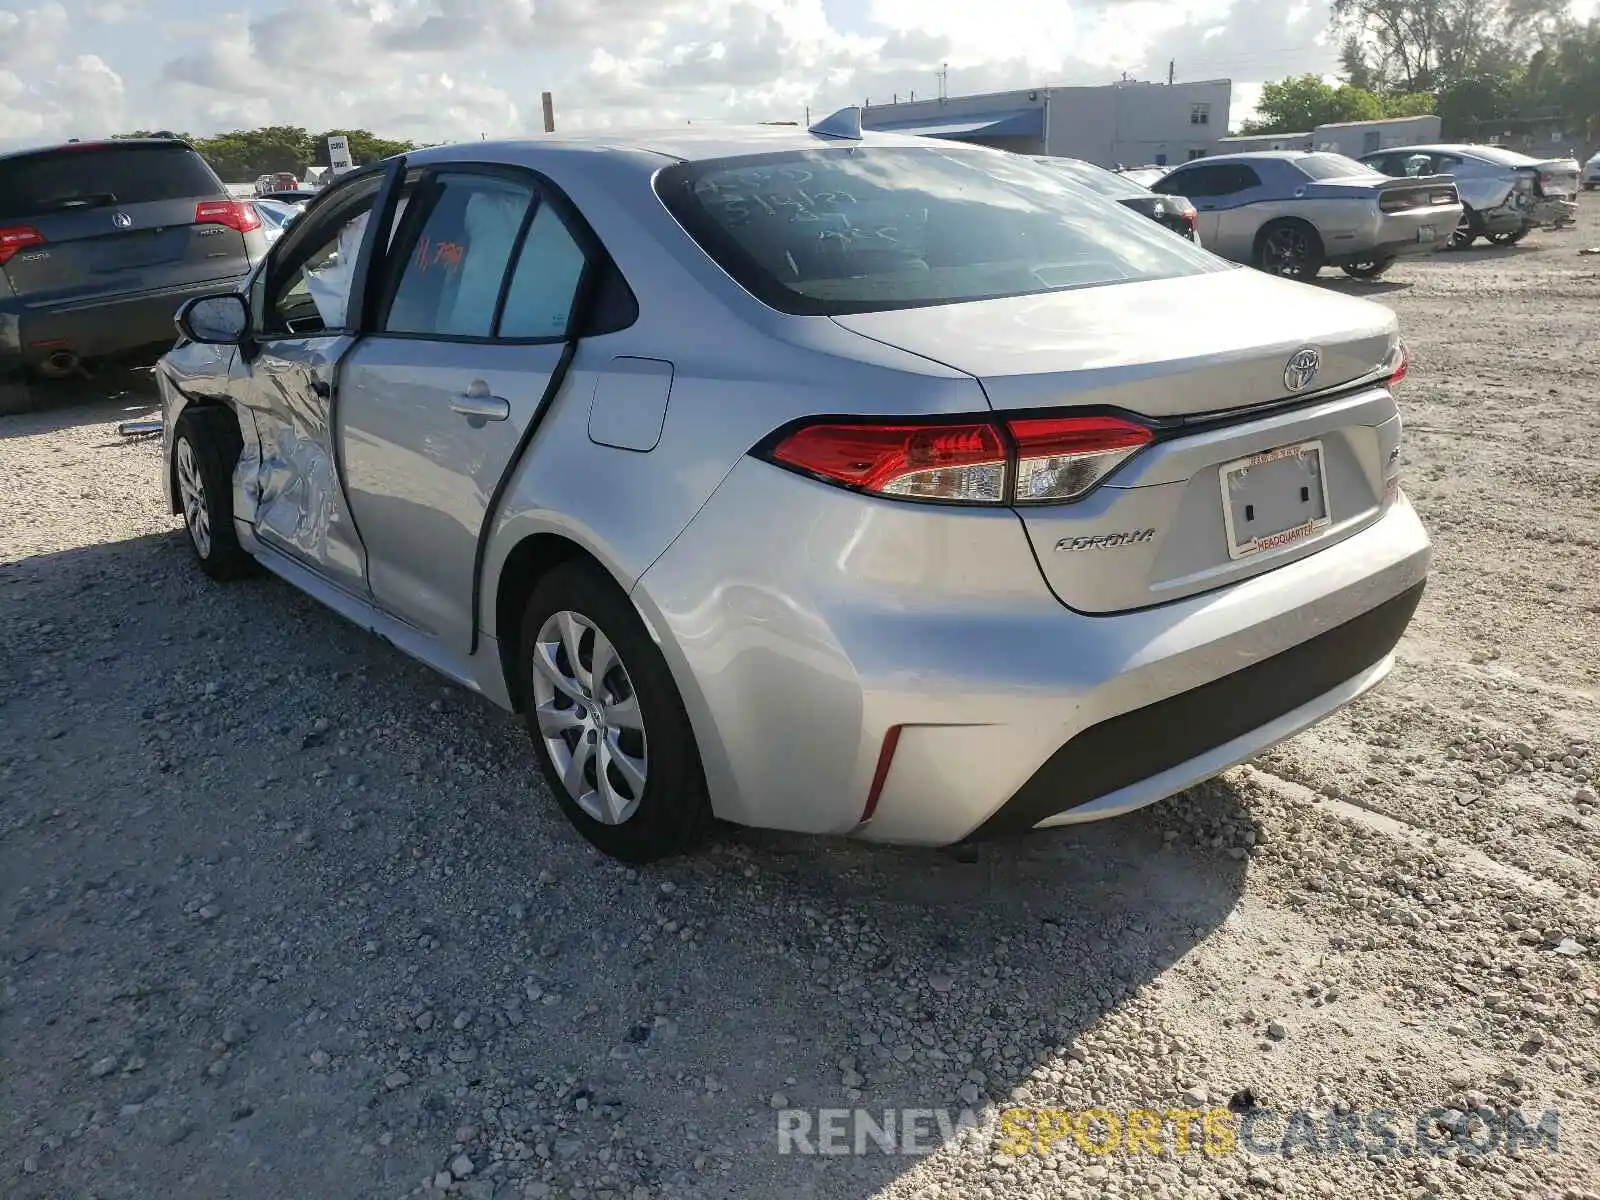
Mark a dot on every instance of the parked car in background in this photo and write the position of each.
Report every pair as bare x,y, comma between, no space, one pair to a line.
275,216
973,514
1292,212
1505,195
101,242
1143,176
265,184
1175,212
291,195
1591,174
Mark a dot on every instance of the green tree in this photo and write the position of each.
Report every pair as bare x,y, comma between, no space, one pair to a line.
1423,45
1409,104
1301,103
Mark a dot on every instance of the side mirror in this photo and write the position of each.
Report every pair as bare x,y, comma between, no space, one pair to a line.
220,320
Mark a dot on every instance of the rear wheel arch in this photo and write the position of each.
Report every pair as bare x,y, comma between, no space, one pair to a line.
529,561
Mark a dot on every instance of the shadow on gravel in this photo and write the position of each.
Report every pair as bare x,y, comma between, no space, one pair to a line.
40,406
281,913
1364,287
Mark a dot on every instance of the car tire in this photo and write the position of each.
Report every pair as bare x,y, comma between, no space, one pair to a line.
1372,269
1466,230
618,752
205,449
1290,248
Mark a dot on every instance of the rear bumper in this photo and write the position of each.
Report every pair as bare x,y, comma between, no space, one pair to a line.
1554,211
89,329
803,624
1398,235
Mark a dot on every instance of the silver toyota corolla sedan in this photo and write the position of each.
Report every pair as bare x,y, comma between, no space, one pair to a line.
803,479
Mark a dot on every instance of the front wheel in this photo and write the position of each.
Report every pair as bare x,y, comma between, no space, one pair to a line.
1291,249
1507,239
1466,230
1369,269
612,737
205,449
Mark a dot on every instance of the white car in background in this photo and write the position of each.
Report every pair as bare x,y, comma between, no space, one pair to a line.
1591,174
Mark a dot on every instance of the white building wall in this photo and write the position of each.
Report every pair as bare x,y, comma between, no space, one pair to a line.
1355,138
1138,123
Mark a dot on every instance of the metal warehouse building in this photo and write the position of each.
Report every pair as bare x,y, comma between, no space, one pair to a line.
1128,123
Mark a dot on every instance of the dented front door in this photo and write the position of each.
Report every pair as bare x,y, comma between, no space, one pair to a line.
307,309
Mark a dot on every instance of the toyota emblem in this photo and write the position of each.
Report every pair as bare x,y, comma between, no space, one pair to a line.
1302,369
122,220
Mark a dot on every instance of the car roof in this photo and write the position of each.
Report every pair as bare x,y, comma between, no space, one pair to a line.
94,144
694,143
1249,156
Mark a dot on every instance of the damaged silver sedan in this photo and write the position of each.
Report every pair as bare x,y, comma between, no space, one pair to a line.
824,481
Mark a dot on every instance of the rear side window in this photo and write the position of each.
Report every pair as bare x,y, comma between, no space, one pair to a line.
867,228
95,175
539,302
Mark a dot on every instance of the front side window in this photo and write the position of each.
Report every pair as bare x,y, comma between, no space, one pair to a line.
869,228
308,284
452,268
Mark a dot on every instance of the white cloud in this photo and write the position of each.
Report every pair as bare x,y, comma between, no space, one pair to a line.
442,69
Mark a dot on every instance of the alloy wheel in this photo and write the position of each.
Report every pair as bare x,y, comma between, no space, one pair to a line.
1286,251
192,492
588,717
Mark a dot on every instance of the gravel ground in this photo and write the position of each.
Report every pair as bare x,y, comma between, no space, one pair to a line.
281,914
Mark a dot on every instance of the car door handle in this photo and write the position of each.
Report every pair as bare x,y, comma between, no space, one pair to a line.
482,406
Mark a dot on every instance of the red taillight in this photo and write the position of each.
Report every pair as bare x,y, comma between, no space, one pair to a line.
1023,460
1061,458
922,462
880,776
235,214
1399,365
14,238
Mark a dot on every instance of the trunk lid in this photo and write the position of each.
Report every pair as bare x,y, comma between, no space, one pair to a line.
103,220
1554,177
1180,517
1207,343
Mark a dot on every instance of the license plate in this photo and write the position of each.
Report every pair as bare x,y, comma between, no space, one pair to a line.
1425,233
1274,499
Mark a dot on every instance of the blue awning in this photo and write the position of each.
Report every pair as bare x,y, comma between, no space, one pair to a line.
1022,122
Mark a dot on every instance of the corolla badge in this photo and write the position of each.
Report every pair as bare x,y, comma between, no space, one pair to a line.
1302,369
122,220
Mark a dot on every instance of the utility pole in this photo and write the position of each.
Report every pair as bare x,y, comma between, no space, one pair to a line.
549,104
1172,72
944,82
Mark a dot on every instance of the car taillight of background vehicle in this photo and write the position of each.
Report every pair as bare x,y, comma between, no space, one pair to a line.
16,238
235,214
1019,460
1398,366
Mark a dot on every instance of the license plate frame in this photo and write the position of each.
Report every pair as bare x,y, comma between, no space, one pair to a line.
1289,535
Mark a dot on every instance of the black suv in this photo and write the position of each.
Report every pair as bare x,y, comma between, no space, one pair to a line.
101,242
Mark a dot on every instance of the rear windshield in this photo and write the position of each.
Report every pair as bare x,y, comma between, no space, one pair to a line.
1500,157
55,180
867,228
1333,166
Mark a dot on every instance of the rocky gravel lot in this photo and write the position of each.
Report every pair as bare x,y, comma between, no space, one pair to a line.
283,915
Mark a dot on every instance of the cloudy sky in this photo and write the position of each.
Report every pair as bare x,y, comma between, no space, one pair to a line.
433,70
